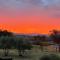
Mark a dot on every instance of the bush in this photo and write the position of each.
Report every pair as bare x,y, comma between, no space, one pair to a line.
50,57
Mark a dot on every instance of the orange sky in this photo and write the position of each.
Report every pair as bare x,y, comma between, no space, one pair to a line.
30,23
30,20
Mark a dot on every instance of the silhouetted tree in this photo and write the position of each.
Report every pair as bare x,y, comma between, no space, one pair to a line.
55,35
6,40
5,33
23,45
19,45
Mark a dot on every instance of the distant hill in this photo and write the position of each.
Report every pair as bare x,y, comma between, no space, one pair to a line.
32,34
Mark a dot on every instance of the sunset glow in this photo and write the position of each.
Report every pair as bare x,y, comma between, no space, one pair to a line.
27,16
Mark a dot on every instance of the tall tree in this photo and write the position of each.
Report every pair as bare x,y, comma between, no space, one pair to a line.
23,45
6,40
19,45
55,35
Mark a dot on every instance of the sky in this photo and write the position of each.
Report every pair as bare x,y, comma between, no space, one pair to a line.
30,16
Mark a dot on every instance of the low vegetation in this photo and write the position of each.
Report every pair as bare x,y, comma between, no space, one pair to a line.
35,44
50,57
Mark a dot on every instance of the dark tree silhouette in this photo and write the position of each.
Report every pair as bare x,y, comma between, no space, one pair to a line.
19,46
6,40
23,45
55,35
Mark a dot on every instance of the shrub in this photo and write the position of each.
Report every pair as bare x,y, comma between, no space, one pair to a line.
50,57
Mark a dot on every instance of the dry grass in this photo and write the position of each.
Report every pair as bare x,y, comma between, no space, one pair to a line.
33,54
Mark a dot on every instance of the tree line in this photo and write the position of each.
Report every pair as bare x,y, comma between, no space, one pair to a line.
8,40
